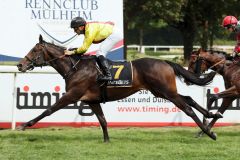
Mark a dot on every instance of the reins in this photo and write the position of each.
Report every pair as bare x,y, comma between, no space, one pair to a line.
60,57
39,61
66,75
202,58
217,63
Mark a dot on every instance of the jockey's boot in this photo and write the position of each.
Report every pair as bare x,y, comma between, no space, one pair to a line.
105,67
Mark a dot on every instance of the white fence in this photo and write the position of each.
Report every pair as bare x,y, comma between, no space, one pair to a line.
175,48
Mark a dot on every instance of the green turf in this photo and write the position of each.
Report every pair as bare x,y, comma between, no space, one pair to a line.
164,143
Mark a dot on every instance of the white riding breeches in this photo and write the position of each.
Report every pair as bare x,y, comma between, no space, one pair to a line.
109,42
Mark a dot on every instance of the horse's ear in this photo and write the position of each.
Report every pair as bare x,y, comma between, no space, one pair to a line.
199,50
40,39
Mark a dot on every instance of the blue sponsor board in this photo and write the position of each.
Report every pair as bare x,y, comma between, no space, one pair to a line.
116,54
8,58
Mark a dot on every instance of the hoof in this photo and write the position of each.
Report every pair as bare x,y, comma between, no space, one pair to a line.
199,134
20,128
219,115
213,136
216,115
106,141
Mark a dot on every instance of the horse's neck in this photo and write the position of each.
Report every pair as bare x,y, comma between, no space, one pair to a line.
60,64
67,66
61,68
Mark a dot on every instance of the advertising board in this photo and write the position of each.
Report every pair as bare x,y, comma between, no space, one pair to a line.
23,21
26,95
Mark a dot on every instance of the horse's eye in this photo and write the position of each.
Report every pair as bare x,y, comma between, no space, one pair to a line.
34,50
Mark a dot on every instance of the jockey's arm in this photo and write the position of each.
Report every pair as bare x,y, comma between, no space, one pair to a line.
236,51
88,40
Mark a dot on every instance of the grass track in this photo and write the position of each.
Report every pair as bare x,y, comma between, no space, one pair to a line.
165,143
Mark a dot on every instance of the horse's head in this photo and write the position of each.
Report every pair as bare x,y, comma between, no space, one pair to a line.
201,60
38,56
197,62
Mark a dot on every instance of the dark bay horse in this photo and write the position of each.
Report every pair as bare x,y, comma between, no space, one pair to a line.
222,63
150,74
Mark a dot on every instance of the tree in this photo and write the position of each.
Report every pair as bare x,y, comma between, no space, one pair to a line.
141,14
199,21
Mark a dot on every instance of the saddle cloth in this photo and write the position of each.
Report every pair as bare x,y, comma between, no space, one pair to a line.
122,74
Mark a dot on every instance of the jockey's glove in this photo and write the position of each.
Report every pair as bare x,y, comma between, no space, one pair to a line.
72,49
67,52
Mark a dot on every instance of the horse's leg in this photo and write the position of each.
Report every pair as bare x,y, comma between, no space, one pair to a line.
159,89
180,102
97,109
230,92
225,104
227,93
228,96
61,103
195,105
206,113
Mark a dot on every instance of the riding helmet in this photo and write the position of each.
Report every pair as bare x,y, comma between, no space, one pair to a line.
77,22
229,21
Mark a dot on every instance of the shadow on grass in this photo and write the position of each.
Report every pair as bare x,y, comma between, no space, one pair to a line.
35,135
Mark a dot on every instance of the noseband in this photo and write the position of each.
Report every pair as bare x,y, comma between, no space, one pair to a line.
198,63
34,62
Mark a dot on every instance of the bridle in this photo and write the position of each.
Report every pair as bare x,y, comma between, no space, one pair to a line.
39,61
35,63
199,60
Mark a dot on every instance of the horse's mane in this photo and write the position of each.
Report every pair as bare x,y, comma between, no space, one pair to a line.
55,46
217,51
225,54
212,51
75,56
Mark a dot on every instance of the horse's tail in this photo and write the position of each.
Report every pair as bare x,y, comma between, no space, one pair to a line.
189,76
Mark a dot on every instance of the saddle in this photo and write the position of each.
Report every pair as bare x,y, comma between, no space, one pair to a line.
121,72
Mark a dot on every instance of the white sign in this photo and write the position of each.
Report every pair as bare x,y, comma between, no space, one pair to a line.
27,95
22,21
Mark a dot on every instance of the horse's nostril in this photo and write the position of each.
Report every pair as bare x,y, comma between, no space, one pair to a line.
19,65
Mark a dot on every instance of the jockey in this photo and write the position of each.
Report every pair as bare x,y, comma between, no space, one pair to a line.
94,33
232,24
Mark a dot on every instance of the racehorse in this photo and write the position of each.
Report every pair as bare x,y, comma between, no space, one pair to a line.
222,63
80,76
